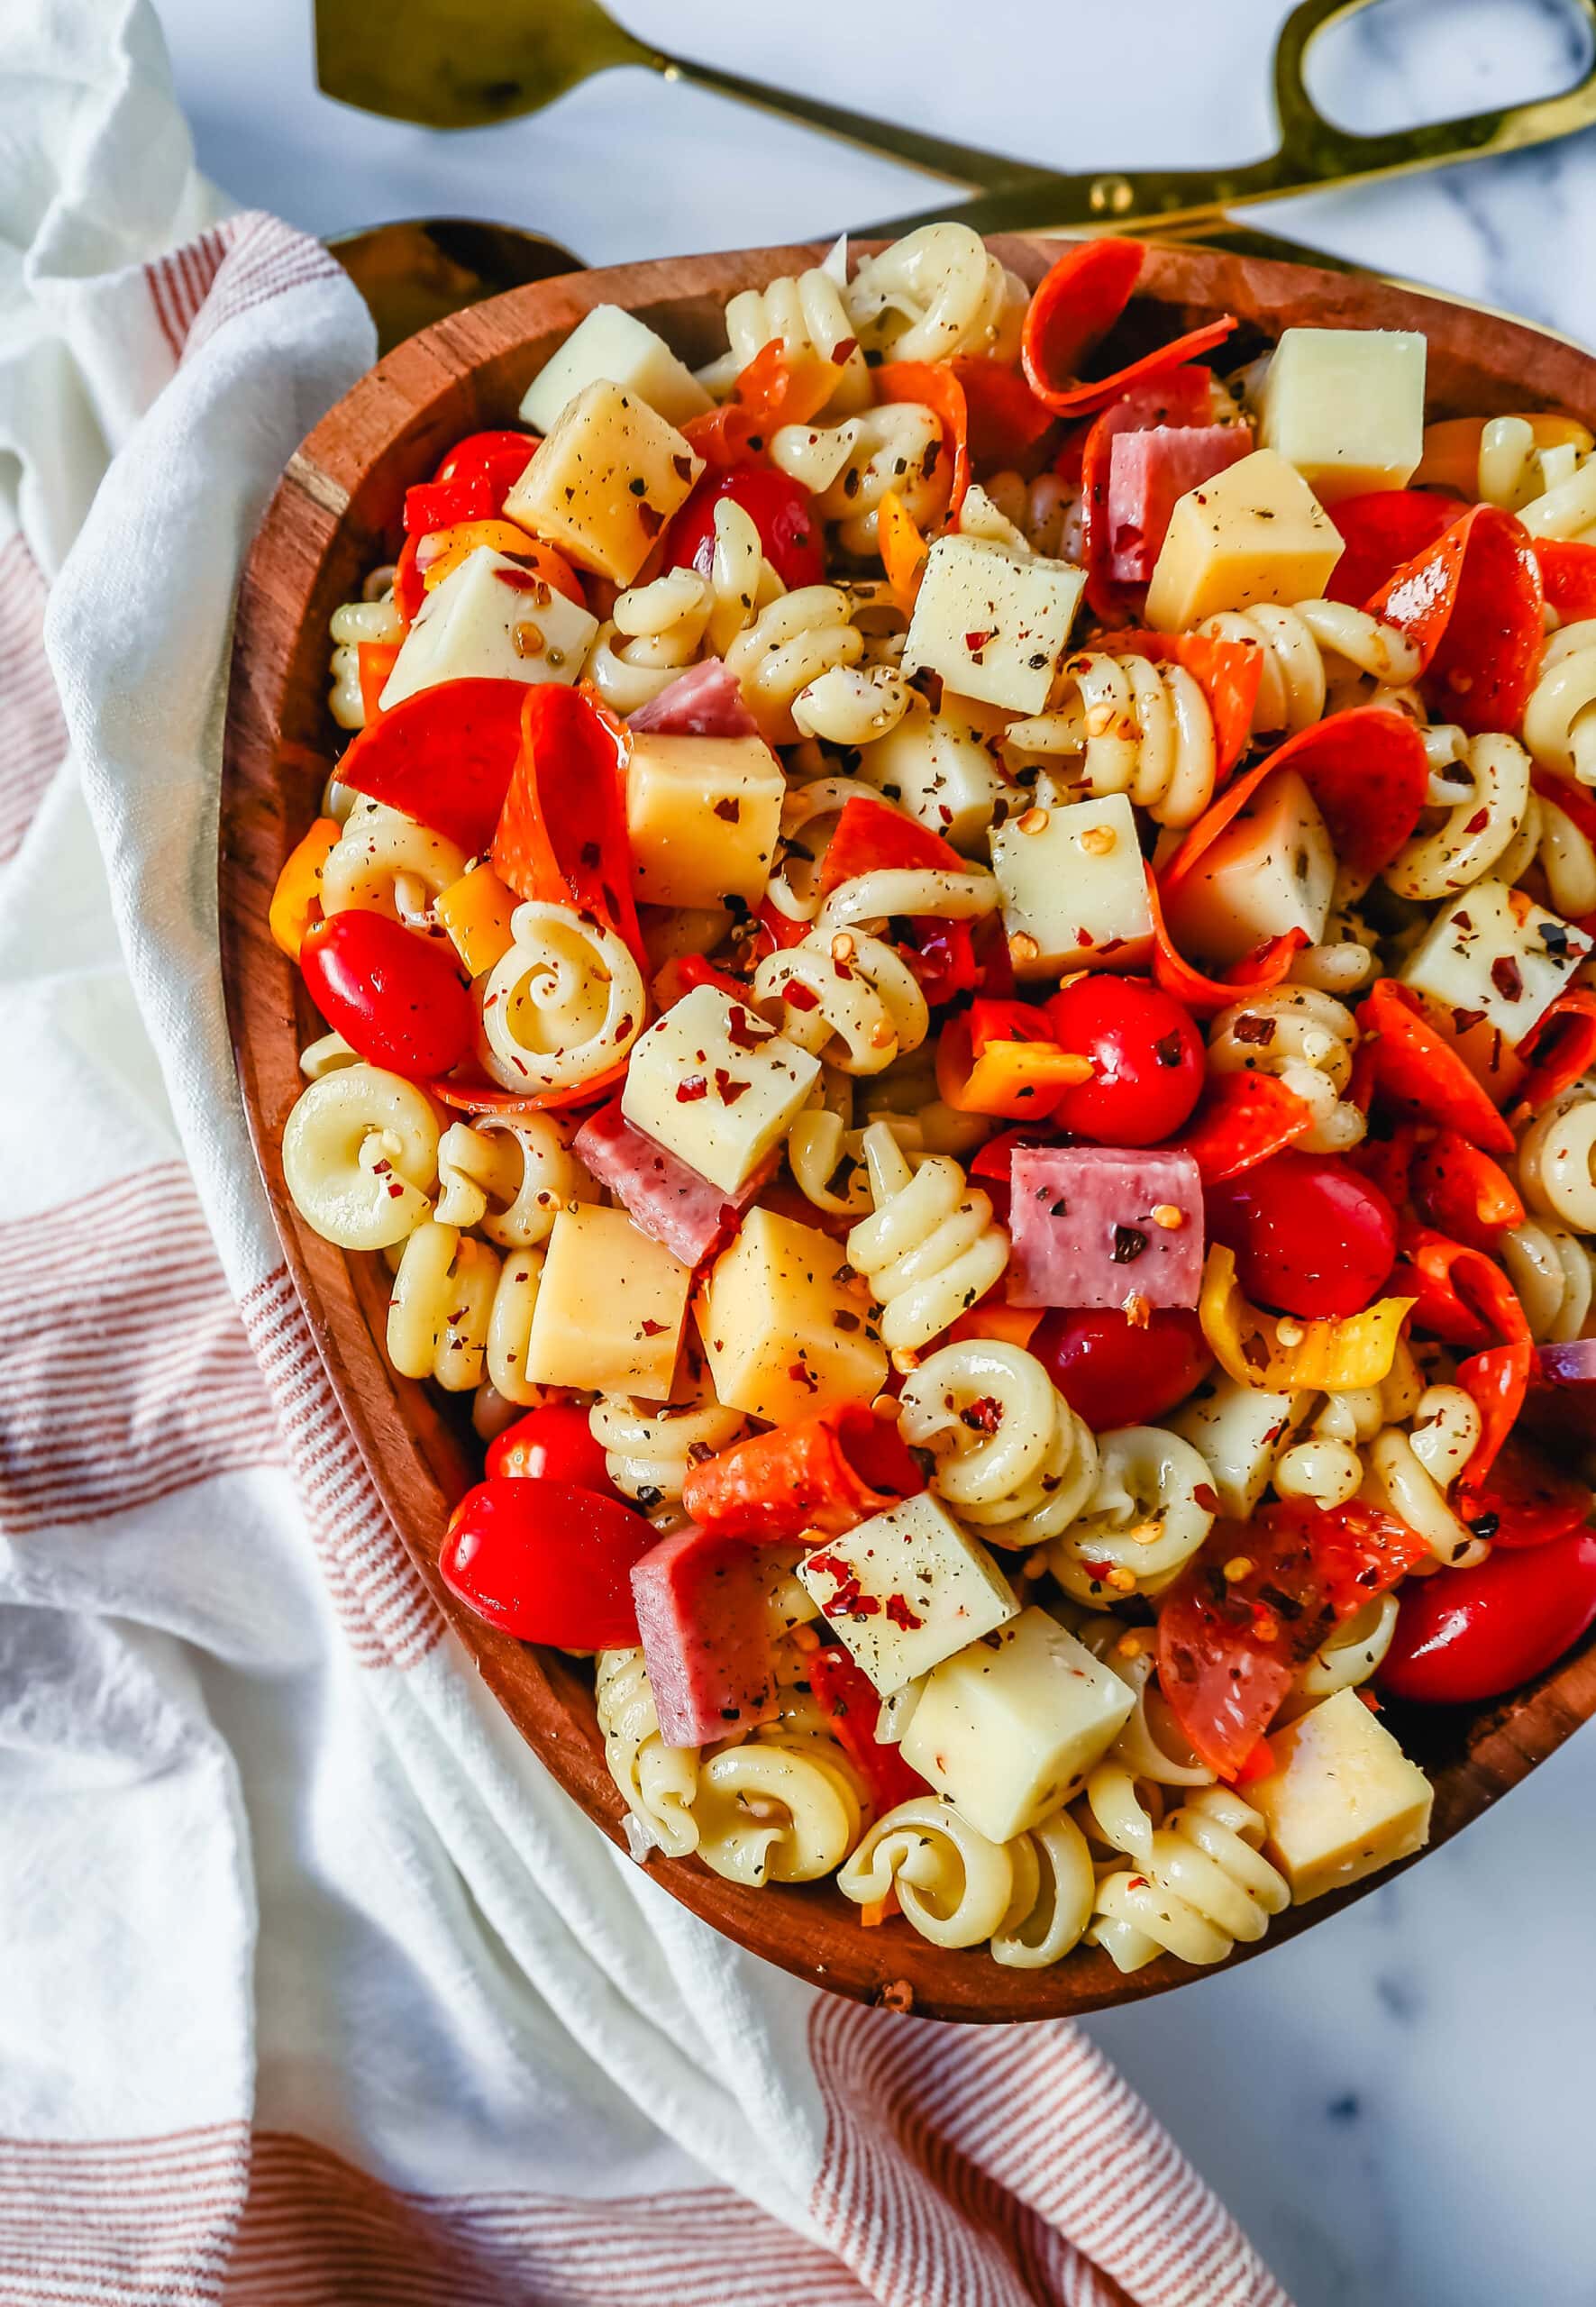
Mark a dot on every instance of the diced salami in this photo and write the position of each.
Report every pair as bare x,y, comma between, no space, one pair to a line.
664,1197
703,702
1100,1226
701,1618
1147,472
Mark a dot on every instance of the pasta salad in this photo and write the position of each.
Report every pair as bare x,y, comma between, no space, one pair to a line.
959,992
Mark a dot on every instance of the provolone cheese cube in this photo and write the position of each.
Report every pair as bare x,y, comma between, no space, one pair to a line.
993,623
940,767
1076,889
1497,956
605,481
1272,870
490,619
907,1590
784,1334
610,1308
704,814
710,1081
1255,532
1345,405
1240,1431
612,345
1009,1728
1341,1800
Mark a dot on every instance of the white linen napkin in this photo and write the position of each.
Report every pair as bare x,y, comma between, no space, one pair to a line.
315,1987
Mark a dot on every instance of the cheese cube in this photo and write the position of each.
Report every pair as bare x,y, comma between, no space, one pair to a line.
907,1590
704,814
608,343
940,767
784,1335
1341,1800
610,1308
1076,889
993,623
1256,532
1271,870
1239,1431
490,619
712,1083
605,481
1009,1728
1496,953
1345,405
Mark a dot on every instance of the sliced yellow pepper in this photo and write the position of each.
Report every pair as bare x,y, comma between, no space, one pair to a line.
296,901
1013,1080
470,536
1279,1355
1451,457
475,912
903,549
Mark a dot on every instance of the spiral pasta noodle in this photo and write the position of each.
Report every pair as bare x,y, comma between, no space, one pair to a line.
1012,1457
649,1452
1485,791
1411,1472
1151,1746
1200,1885
360,1156
805,314
954,1886
1315,656
511,1177
1559,725
1054,1886
563,1005
354,622
459,1313
655,631
1133,727
385,863
1551,489
852,705
790,644
1552,1276
1346,1658
1557,1161
1549,838
659,1782
1144,1519
848,469
1044,512
1306,1039
936,293
848,997
931,1246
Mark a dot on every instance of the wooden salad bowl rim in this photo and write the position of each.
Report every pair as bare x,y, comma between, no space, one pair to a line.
335,514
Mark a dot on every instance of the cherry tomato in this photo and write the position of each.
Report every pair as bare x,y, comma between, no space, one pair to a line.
1310,1237
779,509
397,1001
1465,1635
501,458
1527,1501
1112,1374
553,1444
1146,1052
546,1561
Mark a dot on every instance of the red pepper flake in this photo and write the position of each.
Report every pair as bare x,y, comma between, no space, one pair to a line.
653,1330
982,1417
688,1091
1207,1497
1478,822
729,809
740,1031
727,1088
1463,1021
899,1614
976,641
802,1376
1255,1032
801,997
1505,977
1083,937
843,350
650,520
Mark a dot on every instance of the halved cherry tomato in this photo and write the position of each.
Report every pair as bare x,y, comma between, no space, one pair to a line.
1310,1235
789,534
1113,1374
553,1444
498,457
1523,1501
850,1698
547,1561
1466,1635
1146,1056
397,1001
444,503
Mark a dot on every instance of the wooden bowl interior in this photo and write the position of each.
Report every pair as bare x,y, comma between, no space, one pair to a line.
335,515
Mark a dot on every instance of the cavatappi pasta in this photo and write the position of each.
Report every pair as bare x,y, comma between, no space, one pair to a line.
976,1065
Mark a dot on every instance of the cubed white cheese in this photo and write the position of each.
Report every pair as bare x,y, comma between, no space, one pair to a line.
490,619
704,814
940,767
1076,889
1497,956
1272,870
1345,405
785,1331
713,1084
907,1590
993,623
1009,1728
1239,1431
612,345
605,481
1341,1800
610,1308
1255,532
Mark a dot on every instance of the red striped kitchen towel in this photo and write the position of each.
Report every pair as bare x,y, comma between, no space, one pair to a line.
315,1988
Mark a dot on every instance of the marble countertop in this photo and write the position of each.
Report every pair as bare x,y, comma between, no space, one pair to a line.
1397,2105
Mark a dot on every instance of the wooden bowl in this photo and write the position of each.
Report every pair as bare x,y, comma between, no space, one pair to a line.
335,515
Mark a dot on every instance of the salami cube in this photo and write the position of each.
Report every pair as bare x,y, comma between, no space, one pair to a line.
705,701
702,1620
664,1197
1147,473
1100,1226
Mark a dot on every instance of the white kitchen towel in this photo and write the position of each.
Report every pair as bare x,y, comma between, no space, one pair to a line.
315,1988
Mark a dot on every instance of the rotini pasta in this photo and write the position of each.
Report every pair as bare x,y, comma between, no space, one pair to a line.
1557,1161
807,315
936,293
510,1177
1317,656
1144,1520
1559,726
357,621
1201,1886
954,1886
1305,1038
1012,1457
789,645
931,1246
457,1313
1135,727
651,1449
563,1006
386,864
845,995
1552,1272
849,468
360,1156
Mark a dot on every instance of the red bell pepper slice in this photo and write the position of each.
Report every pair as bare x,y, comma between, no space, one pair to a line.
1386,1162
376,660
871,836
690,971
445,756
1007,422
1522,1501
1082,294
943,958
828,1474
1418,1070
473,1093
1227,672
768,393
1241,1120
1383,530
1462,1193
1459,1294
1568,576
1268,965
1559,1049
849,1696
936,387
561,832
1183,396
1229,1649
409,582
497,459
1472,602
1496,1380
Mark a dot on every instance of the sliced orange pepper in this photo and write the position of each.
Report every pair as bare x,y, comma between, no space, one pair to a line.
1451,458
376,660
904,551
475,912
296,901
449,547
1014,1324
938,389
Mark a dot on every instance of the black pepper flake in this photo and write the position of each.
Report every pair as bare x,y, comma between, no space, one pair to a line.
638,485
1129,1241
